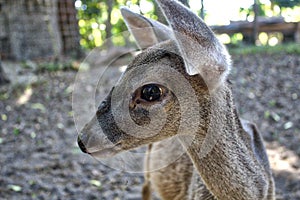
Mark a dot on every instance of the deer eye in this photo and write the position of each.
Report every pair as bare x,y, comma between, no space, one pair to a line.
151,92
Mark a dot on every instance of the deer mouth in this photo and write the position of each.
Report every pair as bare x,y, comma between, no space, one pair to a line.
93,141
98,151
104,153
99,147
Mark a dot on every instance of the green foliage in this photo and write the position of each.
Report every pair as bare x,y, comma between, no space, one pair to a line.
52,66
4,95
15,188
56,66
250,11
93,15
96,183
97,23
236,38
93,24
16,131
38,106
287,3
283,48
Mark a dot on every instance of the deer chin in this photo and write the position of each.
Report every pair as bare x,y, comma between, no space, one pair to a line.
105,153
98,145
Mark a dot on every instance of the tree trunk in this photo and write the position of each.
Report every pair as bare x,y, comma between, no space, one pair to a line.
108,25
202,9
3,78
255,22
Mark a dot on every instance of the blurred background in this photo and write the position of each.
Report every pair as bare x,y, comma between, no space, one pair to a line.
44,42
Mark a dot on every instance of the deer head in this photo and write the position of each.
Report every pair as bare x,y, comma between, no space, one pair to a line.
165,91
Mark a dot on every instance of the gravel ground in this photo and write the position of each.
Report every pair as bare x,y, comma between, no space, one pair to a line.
40,159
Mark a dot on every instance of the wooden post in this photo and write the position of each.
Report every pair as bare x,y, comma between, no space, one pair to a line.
255,22
202,9
297,32
108,27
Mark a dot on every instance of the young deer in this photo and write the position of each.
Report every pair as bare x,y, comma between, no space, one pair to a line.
175,97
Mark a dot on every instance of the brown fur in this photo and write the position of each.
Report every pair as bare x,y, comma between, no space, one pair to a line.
216,155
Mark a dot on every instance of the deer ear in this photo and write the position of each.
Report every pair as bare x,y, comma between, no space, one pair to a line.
202,52
146,32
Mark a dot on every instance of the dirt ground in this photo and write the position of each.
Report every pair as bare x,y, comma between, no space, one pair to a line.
39,155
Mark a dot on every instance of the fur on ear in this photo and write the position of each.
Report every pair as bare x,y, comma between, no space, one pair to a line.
202,52
146,32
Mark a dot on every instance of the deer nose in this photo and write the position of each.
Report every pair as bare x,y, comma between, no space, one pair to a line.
81,145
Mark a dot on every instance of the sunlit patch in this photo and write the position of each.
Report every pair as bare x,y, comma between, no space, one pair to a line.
250,18
97,37
146,6
94,25
236,38
78,4
81,23
102,27
273,41
115,16
279,162
224,12
224,38
24,98
263,38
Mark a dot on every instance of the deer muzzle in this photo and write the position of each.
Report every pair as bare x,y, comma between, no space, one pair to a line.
93,141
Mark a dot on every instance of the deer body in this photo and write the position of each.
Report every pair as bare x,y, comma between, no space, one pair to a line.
244,137
176,91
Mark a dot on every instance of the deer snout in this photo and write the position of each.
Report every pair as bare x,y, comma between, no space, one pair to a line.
92,140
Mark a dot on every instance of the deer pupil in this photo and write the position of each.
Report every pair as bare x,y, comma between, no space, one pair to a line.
151,92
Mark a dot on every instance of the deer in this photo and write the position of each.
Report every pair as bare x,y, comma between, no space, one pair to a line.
175,97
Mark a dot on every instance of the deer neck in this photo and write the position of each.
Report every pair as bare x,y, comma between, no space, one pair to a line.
223,125
224,148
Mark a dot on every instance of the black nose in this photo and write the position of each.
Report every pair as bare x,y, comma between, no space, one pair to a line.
81,145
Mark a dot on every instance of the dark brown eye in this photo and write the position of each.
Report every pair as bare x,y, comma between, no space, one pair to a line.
151,92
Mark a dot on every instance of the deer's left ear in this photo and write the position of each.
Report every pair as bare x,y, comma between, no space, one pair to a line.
202,52
146,32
